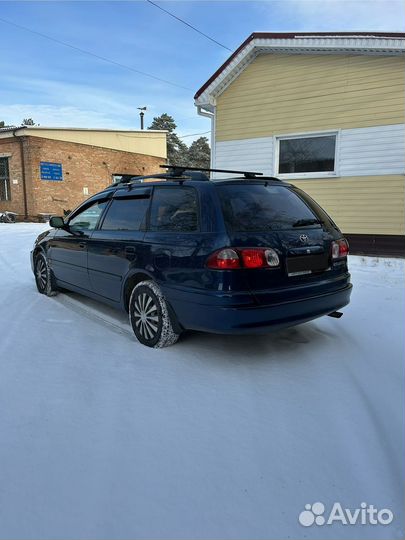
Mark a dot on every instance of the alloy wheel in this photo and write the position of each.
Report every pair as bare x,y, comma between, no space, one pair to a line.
146,316
41,273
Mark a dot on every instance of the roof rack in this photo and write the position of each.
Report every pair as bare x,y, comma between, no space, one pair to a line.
182,173
178,170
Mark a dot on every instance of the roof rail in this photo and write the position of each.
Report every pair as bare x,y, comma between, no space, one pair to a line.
129,179
178,170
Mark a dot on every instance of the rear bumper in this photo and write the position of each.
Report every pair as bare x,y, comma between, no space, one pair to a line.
254,319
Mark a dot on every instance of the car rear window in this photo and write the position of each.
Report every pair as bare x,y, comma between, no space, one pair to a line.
257,207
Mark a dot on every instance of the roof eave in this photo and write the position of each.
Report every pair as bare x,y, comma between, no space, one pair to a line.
377,43
10,129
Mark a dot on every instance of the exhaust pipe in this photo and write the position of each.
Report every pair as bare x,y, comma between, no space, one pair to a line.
335,314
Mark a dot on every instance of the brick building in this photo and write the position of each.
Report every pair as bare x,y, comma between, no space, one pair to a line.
48,170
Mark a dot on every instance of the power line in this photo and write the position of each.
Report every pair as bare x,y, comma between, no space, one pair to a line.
84,51
189,25
195,134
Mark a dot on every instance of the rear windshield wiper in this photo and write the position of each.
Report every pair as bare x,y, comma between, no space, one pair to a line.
303,222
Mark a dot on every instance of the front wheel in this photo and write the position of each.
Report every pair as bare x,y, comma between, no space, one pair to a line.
149,316
43,276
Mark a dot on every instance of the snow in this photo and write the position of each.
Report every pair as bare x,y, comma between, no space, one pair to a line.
215,437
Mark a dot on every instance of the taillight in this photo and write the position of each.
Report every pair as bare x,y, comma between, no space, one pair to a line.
224,259
229,258
259,258
340,249
252,258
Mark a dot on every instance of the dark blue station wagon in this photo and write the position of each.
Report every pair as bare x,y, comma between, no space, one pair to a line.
177,251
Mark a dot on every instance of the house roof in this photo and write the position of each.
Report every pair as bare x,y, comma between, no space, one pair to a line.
382,43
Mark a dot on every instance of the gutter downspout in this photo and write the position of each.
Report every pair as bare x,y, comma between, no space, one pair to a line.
23,173
211,116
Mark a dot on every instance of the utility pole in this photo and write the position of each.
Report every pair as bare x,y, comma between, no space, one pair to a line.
142,114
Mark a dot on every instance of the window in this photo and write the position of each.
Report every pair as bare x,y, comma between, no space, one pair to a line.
5,194
304,155
126,214
174,209
87,219
260,208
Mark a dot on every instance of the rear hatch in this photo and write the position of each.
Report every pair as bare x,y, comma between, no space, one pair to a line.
282,217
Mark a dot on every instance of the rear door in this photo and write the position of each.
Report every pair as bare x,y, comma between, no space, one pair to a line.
117,245
174,237
285,219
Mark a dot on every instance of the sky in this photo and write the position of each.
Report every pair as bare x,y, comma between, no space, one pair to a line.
58,85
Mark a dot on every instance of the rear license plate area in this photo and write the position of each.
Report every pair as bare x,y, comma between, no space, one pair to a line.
307,264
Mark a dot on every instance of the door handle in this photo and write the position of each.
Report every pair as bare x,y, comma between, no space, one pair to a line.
82,244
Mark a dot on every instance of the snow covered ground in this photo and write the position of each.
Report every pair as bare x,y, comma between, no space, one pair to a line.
216,437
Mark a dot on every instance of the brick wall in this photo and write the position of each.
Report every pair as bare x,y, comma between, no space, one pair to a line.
10,148
83,166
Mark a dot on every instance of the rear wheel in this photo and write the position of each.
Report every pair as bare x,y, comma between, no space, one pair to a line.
43,276
149,316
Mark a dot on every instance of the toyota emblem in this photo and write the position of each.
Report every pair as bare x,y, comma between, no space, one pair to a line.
304,238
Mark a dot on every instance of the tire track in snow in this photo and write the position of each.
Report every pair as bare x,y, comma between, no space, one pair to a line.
90,313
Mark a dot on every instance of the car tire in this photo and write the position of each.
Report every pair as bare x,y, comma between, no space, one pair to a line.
43,276
149,316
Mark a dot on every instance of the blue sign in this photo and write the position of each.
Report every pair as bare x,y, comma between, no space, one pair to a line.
51,171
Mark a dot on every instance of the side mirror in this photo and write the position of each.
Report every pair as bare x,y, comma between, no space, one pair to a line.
56,222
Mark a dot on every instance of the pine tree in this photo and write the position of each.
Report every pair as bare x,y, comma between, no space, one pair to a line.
176,149
199,153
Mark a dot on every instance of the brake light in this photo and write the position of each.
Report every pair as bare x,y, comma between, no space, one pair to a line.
259,258
230,258
340,249
252,258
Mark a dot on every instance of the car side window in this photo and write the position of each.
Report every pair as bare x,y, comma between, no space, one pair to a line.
87,219
174,209
125,214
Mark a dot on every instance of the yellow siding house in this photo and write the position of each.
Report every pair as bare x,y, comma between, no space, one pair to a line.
325,112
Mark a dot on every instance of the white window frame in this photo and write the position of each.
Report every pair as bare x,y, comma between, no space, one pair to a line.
306,135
